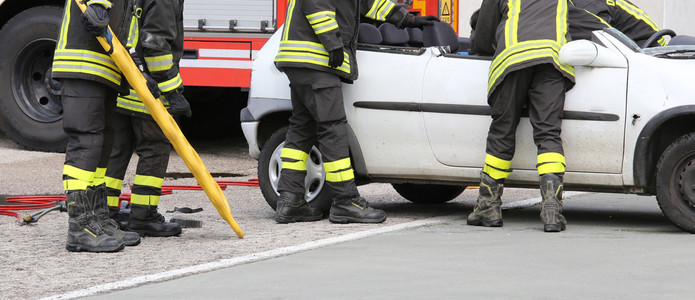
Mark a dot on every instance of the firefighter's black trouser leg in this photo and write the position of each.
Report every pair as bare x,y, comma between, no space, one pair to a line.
318,115
153,149
542,89
88,109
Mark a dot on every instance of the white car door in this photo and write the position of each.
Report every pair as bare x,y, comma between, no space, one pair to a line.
456,116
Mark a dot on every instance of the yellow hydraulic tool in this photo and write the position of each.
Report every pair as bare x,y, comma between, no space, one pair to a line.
167,123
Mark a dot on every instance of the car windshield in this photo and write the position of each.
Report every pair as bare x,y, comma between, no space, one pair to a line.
676,52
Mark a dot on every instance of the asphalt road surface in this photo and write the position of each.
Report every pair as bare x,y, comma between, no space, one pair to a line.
616,246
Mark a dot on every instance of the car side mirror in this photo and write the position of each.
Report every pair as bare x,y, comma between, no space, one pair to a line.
590,54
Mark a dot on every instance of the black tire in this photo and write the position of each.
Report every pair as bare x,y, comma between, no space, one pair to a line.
675,179
269,165
428,193
29,113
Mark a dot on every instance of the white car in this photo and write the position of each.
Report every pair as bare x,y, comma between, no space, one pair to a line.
419,119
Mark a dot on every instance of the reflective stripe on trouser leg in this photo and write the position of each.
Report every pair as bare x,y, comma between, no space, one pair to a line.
86,106
153,151
339,171
318,115
550,163
121,153
497,168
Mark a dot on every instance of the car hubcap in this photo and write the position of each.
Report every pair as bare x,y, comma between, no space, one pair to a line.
31,72
687,181
315,175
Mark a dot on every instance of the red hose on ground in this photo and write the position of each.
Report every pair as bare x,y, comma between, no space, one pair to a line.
48,201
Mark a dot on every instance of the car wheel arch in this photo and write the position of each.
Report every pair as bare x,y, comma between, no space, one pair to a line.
668,126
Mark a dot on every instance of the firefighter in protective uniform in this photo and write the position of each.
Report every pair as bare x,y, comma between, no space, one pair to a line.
525,37
90,83
316,53
624,16
156,34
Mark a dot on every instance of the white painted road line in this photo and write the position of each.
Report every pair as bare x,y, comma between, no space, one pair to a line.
226,263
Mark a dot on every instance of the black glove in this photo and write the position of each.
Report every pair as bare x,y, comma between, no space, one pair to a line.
96,19
336,57
151,83
416,21
178,105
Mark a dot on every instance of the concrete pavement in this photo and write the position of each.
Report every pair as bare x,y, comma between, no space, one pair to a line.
616,246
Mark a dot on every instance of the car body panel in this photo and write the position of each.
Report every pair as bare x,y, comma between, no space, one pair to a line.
408,112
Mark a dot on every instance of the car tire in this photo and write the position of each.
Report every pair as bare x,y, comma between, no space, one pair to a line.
428,193
675,179
31,113
269,165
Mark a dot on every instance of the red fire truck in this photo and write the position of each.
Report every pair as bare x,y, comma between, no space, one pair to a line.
221,40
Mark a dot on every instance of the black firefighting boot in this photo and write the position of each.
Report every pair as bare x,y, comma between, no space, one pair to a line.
102,213
146,221
488,210
84,232
551,206
292,207
355,210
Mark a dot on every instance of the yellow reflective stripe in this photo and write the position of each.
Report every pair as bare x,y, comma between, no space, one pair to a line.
340,164
310,59
144,199
171,84
297,165
340,176
148,181
497,162
320,15
380,9
85,55
77,173
74,184
99,175
113,183
384,10
288,21
510,31
112,201
137,106
159,63
324,28
637,13
554,167
551,157
294,154
87,68
104,3
561,22
504,60
62,41
134,33
495,173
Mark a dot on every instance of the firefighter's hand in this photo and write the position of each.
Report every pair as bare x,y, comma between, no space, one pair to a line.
178,105
151,83
336,57
96,19
417,21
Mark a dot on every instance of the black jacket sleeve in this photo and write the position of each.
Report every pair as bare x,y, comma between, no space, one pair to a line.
489,19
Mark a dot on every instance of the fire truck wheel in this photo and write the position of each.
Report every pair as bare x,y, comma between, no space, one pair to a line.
269,165
675,179
428,193
30,109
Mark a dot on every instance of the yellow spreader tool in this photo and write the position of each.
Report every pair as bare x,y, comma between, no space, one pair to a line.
166,122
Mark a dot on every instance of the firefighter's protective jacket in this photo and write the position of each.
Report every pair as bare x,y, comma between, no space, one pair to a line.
314,27
624,16
522,33
79,55
156,33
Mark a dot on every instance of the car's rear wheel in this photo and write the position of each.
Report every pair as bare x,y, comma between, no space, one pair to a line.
675,182
428,193
30,111
270,164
